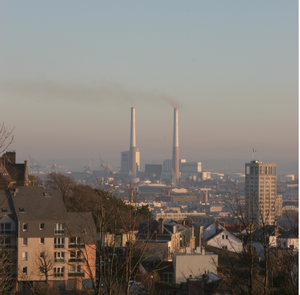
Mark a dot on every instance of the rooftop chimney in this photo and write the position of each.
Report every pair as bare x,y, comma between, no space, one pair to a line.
175,156
132,153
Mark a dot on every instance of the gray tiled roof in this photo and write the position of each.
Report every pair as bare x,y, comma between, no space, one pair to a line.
81,224
37,206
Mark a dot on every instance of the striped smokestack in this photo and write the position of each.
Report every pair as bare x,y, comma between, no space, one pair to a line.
175,156
132,153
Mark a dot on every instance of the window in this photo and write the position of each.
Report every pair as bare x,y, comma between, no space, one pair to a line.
59,242
25,226
24,241
5,227
42,241
73,254
24,255
22,209
59,229
25,270
75,268
59,271
6,241
4,209
166,277
42,226
59,256
224,247
75,241
226,237
223,237
42,254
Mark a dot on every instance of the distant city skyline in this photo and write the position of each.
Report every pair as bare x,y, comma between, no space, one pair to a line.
71,71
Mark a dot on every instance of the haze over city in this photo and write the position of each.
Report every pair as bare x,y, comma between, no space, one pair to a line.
71,71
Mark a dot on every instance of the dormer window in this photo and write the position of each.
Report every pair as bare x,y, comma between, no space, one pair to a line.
25,226
59,229
47,194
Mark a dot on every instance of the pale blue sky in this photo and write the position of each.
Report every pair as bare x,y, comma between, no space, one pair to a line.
71,70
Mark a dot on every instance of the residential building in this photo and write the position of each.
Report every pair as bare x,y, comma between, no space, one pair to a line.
193,264
48,242
223,239
289,239
164,238
12,173
261,191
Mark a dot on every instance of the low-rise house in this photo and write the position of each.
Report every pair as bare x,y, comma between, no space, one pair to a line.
12,173
289,239
50,245
211,229
206,284
183,265
120,239
164,238
223,239
193,264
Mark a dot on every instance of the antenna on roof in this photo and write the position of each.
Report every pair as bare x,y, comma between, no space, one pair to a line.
254,151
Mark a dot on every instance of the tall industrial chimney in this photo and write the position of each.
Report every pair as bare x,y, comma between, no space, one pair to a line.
175,156
132,153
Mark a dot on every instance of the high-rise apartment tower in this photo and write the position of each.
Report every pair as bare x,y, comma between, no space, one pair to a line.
261,191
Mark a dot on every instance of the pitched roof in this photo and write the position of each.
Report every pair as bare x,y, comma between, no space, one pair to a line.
291,234
81,224
38,204
16,171
219,231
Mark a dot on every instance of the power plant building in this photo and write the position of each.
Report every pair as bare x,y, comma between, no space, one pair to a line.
167,165
190,169
125,161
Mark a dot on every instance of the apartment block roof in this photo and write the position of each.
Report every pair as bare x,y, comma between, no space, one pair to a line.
36,203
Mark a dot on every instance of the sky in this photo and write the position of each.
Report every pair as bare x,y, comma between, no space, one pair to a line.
70,71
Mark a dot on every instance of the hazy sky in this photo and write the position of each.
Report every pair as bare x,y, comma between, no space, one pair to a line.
71,70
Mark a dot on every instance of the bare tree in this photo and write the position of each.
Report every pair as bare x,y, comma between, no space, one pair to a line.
44,263
7,257
58,181
112,217
6,137
253,271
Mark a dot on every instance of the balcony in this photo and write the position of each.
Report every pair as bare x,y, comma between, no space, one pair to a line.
8,247
59,245
76,246
76,274
74,259
9,260
8,232
58,274
59,231
59,260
